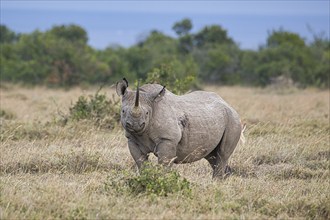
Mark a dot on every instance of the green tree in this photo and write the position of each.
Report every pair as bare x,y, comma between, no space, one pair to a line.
61,56
30,58
183,27
247,67
48,57
210,35
73,61
285,54
217,55
72,33
7,35
115,58
186,44
156,49
320,49
219,63
178,77
281,37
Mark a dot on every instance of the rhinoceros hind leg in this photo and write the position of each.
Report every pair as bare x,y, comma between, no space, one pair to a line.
212,158
218,158
228,170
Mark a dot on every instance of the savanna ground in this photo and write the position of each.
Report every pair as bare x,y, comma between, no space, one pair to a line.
51,170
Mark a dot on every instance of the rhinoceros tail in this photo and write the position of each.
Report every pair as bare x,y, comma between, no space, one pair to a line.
242,137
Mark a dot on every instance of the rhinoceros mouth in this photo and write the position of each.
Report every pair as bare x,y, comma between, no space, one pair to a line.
136,129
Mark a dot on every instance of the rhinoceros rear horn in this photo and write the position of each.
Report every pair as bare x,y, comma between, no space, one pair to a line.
137,96
121,87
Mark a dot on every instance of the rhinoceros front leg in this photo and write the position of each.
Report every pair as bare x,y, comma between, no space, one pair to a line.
138,156
166,152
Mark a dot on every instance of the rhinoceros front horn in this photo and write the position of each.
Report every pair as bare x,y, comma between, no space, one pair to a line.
136,112
137,96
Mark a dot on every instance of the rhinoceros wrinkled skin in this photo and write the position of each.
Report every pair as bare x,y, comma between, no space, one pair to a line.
178,129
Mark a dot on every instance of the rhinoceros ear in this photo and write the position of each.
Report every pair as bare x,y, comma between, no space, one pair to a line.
160,95
121,87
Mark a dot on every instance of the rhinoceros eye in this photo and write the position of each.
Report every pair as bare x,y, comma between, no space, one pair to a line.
123,111
147,113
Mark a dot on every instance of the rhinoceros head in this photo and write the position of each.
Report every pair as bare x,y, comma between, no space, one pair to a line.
137,107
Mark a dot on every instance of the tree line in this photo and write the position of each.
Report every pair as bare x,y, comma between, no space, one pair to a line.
61,56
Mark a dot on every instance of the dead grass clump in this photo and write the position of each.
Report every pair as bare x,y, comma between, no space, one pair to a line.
244,171
312,209
293,172
301,129
290,198
5,114
49,131
76,162
309,128
302,208
321,155
18,131
17,96
265,128
317,165
269,159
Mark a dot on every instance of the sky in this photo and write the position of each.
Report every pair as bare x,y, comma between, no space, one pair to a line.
126,22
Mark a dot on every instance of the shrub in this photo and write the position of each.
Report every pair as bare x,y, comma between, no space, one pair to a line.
153,180
98,108
157,180
6,114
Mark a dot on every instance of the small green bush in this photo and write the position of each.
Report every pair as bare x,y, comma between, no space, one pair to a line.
157,180
6,114
153,180
98,108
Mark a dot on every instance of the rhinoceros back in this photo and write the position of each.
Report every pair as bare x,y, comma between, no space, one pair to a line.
151,88
203,117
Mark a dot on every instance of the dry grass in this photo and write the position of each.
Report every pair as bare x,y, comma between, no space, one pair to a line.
53,171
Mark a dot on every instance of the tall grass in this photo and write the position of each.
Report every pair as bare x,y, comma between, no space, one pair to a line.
84,171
